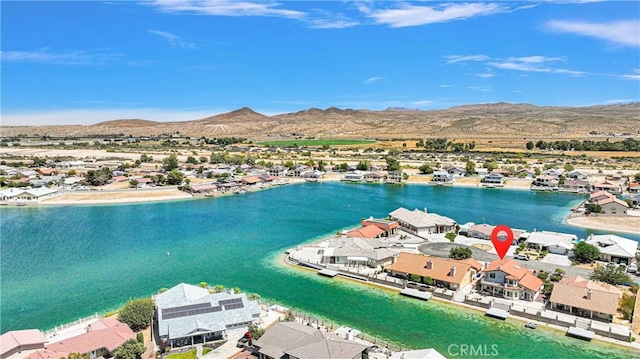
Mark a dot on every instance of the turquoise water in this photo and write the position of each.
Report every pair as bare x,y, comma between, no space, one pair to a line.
61,263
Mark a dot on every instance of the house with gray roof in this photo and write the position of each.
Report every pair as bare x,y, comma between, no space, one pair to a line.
614,248
188,315
288,340
421,223
356,251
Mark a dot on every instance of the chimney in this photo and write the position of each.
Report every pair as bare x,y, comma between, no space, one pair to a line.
499,266
486,265
429,264
589,294
452,271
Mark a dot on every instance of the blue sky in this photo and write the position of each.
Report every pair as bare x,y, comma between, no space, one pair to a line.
85,62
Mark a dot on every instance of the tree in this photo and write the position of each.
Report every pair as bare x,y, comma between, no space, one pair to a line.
343,167
585,252
392,164
170,163
218,288
363,165
415,278
529,145
174,177
627,303
425,169
77,356
131,349
427,280
610,274
460,253
253,296
146,158
289,317
203,284
637,177
137,313
470,167
72,172
236,290
256,331
569,167
99,177
133,182
192,160
592,208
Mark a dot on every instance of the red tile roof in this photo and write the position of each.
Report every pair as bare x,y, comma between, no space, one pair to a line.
370,231
515,269
440,268
105,333
17,338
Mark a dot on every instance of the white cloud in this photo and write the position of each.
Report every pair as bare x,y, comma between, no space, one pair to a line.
371,80
453,59
332,23
421,103
633,76
226,8
486,75
625,100
625,33
446,86
480,88
412,15
76,57
534,64
173,40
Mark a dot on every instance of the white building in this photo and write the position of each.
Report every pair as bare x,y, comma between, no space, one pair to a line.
557,243
422,223
614,248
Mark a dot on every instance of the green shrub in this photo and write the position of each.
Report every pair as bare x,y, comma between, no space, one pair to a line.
137,313
140,337
543,275
415,278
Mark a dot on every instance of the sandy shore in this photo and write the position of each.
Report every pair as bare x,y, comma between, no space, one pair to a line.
128,196
626,224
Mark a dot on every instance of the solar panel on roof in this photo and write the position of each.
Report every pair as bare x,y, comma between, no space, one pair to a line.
231,301
189,310
234,306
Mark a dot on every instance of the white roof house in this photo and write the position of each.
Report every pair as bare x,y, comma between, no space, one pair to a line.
418,354
421,222
27,193
613,247
558,243
355,250
187,311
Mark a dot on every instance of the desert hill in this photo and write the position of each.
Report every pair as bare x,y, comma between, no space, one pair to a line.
469,121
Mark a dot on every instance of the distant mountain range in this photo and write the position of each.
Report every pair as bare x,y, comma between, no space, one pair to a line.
469,121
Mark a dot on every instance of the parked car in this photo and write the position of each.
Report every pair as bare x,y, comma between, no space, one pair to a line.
633,268
523,257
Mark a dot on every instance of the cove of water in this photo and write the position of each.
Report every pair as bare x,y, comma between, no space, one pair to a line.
61,263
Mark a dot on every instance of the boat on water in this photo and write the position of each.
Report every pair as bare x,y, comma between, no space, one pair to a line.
21,203
3,203
531,325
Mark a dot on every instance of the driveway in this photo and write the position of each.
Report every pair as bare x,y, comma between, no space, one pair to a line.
556,259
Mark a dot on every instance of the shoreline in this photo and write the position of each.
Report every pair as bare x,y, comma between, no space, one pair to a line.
549,328
590,223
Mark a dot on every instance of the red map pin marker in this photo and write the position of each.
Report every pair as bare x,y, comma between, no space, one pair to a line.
501,245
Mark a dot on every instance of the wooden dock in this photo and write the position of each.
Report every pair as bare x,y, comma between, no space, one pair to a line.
414,293
497,313
328,273
580,333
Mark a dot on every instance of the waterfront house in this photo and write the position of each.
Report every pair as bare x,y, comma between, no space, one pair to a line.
509,279
292,340
422,223
394,177
494,179
448,273
188,315
500,171
297,171
356,252
354,176
610,187
390,228
277,171
442,177
545,182
251,180
577,175
368,231
314,175
28,194
614,248
611,205
599,195
585,298
483,231
21,342
578,186
456,171
100,340
481,171
557,243
374,176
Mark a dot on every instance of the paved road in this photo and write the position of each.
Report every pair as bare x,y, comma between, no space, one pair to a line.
442,250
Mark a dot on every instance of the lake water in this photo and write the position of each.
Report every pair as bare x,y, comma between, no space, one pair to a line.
61,263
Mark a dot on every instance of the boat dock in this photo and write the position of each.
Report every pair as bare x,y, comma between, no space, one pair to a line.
580,333
328,273
414,293
497,313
